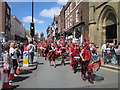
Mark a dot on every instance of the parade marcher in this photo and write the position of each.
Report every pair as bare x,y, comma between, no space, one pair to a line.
51,55
63,48
93,48
75,58
38,47
31,50
85,55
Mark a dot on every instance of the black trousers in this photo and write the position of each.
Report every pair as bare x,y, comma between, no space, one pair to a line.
15,65
84,67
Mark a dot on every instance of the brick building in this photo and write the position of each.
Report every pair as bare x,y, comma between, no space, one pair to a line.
61,22
5,14
76,20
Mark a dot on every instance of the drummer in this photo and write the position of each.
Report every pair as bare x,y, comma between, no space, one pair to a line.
85,55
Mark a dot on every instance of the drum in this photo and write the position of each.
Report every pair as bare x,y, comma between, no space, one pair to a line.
95,62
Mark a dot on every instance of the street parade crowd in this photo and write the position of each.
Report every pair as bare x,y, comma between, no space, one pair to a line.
83,56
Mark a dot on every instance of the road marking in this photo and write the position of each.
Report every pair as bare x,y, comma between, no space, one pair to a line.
112,70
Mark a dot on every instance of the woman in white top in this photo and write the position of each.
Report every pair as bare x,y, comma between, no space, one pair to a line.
13,54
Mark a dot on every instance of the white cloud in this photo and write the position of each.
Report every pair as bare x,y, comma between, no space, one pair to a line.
28,19
50,12
62,2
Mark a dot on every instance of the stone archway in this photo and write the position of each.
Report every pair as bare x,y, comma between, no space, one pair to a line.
111,28
107,25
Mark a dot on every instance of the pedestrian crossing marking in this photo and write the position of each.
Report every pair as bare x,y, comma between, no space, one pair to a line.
112,70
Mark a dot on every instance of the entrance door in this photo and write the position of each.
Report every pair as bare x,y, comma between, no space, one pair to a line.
111,33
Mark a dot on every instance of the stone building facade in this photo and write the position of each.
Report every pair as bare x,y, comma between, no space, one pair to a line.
104,22
61,22
18,30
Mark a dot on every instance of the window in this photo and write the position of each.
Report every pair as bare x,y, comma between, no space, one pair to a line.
68,10
77,14
8,11
65,13
71,7
66,24
62,19
6,23
70,20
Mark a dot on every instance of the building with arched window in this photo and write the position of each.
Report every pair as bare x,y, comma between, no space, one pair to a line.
104,22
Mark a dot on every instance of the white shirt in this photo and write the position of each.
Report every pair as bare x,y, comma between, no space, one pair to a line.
32,48
104,47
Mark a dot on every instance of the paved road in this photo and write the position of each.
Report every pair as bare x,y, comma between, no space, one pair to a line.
63,77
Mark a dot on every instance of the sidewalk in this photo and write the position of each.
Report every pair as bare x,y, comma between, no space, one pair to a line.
24,71
31,66
115,67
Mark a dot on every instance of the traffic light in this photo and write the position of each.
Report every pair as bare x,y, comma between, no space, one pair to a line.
32,30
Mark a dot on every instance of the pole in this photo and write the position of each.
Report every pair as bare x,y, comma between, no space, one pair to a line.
32,10
32,13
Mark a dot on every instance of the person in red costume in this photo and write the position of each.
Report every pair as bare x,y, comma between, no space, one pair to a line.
85,55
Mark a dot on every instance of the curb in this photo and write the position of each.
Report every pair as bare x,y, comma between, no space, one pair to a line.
117,68
30,67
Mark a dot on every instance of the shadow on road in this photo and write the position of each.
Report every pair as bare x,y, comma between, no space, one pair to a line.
97,78
58,64
20,78
25,72
62,64
14,87
68,63
38,63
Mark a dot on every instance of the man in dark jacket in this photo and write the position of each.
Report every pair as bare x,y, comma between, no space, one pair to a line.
22,49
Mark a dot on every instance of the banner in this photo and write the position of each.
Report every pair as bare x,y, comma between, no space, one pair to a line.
25,58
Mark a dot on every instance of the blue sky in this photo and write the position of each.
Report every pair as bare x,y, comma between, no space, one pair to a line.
43,13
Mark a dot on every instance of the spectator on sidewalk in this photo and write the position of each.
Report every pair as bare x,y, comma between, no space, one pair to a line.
13,54
22,49
0,48
6,61
31,50
117,50
113,55
26,46
104,54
